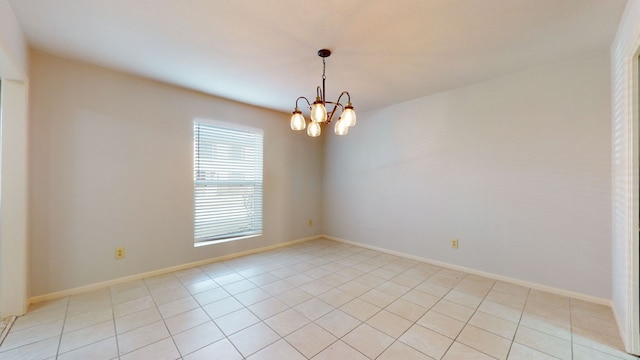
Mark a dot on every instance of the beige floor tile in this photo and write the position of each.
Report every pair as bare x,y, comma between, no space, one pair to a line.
334,280
485,342
43,349
186,320
163,284
336,297
166,296
406,281
501,311
137,319
236,321
287,322
368,340
515,301
393,289
441,324
40,317
316,287
277,287
549,298
406,309
201,286
340,350
426,341
280,350
548,326
597,341
228,278
298,279
267,308
459,351
263,279
494,324
399,350
178,306
338,323
510,288
83,320
197,337
595,324
102,350
463,299
377,298
161,350
360,309
420,298
584,353
354,288
558,313
542,342
300,339
370,280
389,323
141,337
127,294
433,289
210,296
294,297
239,287
222,307
132,306
254,338
221,349
519,352
32,334
453,310
197,276
85,336
314,308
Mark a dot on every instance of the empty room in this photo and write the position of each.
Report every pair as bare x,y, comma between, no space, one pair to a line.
412,179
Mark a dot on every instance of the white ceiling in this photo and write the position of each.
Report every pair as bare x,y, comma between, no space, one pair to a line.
263,52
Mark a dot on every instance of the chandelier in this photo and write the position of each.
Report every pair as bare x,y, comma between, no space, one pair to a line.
318,110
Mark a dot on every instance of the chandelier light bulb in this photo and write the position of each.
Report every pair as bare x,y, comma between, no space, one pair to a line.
297,120
313,129
341,127
318,111
349,115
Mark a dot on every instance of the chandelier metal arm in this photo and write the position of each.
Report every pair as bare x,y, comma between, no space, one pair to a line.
305,99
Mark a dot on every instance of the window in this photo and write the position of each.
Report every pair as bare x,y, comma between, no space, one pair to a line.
227,182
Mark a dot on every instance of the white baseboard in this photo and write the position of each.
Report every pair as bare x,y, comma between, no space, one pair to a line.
536,286
103,284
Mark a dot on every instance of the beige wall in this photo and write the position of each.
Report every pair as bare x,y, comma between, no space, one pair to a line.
112,165
517,168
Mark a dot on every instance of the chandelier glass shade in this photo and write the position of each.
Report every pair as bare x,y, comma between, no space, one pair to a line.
318,113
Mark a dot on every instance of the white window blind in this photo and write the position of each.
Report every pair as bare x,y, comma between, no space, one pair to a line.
227,182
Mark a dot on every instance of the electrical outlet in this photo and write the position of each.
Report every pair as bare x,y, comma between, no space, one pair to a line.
120,253
310,223
454,243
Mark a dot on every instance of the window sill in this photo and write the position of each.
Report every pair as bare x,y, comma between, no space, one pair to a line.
213,242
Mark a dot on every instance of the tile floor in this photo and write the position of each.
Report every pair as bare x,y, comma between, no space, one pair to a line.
315,300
